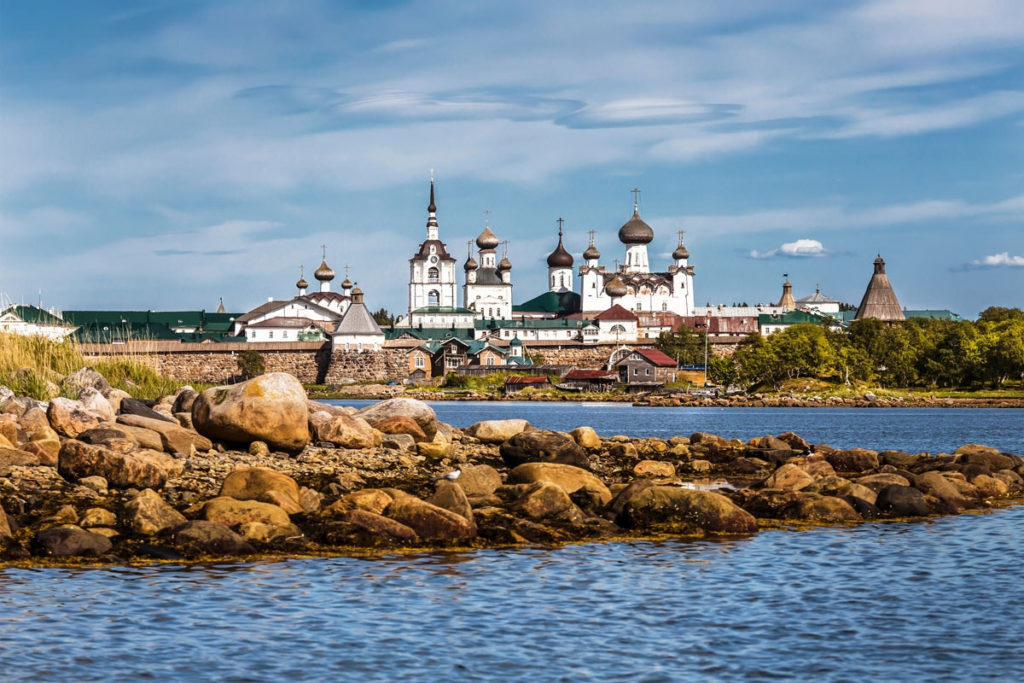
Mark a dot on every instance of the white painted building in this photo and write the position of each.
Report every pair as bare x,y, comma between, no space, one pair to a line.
432,286
34,321
488,289
357,330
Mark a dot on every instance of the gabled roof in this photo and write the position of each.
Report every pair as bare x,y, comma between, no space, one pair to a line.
269,306
358,320
616,312
656,357
284,322
34,314
551,302
816,298
943,314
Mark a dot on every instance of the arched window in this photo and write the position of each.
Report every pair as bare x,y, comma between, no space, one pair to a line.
664,307
617,329
432,275
433,298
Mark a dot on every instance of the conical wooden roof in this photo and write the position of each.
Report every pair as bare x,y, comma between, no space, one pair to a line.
879,300
787,302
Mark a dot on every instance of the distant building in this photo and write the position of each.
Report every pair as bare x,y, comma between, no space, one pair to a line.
647,367
488,288
880,300
357,330
34,321
770,323
818,303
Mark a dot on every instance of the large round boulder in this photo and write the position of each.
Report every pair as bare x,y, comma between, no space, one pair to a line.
853,460
974,454
672,508
270,408
543,446
405,407
430,521
70,541
146,469
479,480
265,485
70,418
544,500
568,477
148,514
203,537
902,501
789,477
231,512
497,431
344,431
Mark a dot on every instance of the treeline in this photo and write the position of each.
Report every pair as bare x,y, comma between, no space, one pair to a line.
920,352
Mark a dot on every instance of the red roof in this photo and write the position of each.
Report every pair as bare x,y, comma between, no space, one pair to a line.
616,312
657,357
528,379
592,374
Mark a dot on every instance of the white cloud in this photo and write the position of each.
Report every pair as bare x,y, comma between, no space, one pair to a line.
1002,260
802,248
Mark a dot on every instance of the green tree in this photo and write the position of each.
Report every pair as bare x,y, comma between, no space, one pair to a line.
250,364
686,345
383,317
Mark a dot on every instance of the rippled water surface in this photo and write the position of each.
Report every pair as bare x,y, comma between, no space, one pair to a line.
910,429
937,600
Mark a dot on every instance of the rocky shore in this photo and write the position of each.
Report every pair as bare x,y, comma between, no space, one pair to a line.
256,469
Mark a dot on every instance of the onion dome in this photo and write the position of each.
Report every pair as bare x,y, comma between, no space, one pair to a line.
615,287
346,283
302,284
487,239
635,231
470,264
560,258
504,264
324,273
680,253
591,254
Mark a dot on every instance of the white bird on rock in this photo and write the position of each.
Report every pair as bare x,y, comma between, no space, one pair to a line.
451,476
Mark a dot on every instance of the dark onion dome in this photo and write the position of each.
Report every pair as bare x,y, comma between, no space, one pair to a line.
591,254
635,231
470,264
615,287
302,284
680,253
487,239
324,272
560,258
504,264
346,283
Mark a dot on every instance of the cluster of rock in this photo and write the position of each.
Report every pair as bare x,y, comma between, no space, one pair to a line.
258,468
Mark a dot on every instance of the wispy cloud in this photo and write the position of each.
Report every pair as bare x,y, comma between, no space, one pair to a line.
1001,260
802,248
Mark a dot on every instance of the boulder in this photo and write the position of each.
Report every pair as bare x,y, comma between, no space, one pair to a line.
6,532
430,521
586,437
990,487
545,500
567,477
96,403
183,401
85,378
147,514
902,501
624,451
853,460
974,454
934,484
173,437
407,407
34,418
265,485
450,496
113,438
497,431
435,450
398,442
122,470
771,443
310,500
371,500
133,406
70,418
231,512
70,541
46,450
654,468
900,459
797,443
269,408
479,480
828,509
210,538
345,431
674,508
169,466
268,533
146,438
543,446
379,525
97,484
877,482
16,456
94,517
789,477
400,424
626,493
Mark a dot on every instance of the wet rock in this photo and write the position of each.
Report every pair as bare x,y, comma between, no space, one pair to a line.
586,437
265,485
123,470
371,500
85,378
407,407
934,484
345,431
269,533
902,501
789,477
990,487
1013,481
147,514
567,477
450,496
380,525
210,538
65,514
853,460
70,418
877,482
543,446
270,408
626,493
972,454
654,468
430,521
771,443
5,528
898,459
231,512
705,439
624,451
70,541
173,437
400,424
545,500
829,509
98,517
672,508
797,443
497,431
479,480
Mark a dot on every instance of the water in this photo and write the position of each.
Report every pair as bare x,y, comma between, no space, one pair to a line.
914,430
937,600
933,600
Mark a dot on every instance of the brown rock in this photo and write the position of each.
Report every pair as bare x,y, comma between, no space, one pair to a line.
346,431
173,437
94,517
372,500
450,496
147,514
934,484
789,477
975,454
381,526
70,418
400,424
479,480
113,438
269,408
797,443
310,500
263,484
853,460
15,456
146,438
545,500
828,509
586,437
96,403
430,521
230,512
70,541
202,537
877,482
675,508
268,533
570,479
408,407
542,446
770,442
122,470
654,468
990,487
497,431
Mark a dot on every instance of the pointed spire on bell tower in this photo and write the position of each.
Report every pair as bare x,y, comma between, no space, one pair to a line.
432,212
220,309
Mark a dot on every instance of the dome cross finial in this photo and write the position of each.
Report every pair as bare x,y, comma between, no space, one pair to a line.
636,199
560,221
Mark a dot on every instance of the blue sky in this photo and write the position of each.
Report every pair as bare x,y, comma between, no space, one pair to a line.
166,154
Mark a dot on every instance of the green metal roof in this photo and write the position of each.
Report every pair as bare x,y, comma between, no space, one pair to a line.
528,324
443,309
936,314
104,333
427,333
33,314
551,302
795,318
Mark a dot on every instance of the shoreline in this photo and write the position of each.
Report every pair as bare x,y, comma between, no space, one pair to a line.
162,483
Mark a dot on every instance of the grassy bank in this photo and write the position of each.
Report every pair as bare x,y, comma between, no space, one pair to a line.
34,366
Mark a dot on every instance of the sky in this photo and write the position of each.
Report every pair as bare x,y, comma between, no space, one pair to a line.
164,155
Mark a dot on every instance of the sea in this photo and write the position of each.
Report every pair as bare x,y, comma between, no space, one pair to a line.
934,600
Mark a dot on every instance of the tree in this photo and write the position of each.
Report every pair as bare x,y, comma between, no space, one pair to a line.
721,370
250,364
383,317
686,345
997,314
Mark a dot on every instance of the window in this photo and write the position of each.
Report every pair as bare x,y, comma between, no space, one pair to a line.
270,335
636,371
420,362
433,298
664,307
647,371
432,275
490,360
